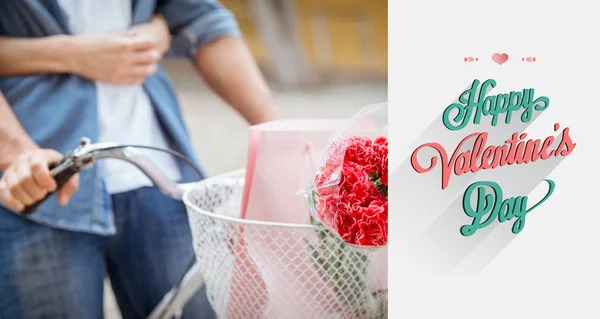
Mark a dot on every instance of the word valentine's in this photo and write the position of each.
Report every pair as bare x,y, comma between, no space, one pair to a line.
473,105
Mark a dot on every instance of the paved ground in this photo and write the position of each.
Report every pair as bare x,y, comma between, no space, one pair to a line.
220,135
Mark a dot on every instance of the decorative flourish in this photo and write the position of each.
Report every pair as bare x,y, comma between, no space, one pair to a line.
471,59
529,59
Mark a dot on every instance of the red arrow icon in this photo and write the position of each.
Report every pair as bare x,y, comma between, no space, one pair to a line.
528,59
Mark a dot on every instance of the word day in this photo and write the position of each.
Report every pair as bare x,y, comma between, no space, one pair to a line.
495,206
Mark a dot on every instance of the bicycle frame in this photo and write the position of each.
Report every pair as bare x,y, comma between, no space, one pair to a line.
173,302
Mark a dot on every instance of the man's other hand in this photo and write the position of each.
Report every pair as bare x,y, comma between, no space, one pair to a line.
27,180
157,30
124,59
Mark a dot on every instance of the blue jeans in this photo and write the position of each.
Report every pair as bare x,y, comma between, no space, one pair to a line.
52,273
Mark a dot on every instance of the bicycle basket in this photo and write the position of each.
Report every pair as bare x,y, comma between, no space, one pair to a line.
256,269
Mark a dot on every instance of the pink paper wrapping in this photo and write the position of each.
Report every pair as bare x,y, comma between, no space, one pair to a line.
282,161
280,165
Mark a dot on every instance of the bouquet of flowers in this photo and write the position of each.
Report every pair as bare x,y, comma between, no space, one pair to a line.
356,206
348,202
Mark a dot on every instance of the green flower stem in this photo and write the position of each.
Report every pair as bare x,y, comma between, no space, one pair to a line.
344,267
376,179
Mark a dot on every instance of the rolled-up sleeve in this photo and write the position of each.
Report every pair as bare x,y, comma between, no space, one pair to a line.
195,23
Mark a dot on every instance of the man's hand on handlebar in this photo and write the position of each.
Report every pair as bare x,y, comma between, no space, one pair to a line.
27,180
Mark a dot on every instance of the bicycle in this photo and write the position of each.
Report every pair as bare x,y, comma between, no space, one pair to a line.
238,284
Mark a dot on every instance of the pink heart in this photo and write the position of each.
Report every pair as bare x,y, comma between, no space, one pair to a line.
500,58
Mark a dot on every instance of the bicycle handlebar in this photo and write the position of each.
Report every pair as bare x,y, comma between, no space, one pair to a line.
86,153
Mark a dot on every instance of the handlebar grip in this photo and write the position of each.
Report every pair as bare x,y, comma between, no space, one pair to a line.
61,179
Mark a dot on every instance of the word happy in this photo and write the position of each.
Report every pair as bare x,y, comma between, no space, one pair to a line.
478,105
474,105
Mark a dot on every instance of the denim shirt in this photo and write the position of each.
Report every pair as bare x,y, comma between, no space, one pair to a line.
56,110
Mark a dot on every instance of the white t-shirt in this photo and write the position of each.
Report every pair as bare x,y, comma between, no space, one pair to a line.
125,112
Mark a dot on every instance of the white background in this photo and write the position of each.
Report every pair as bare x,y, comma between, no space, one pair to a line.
552,268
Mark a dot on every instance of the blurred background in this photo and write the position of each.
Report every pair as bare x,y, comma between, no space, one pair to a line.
322,59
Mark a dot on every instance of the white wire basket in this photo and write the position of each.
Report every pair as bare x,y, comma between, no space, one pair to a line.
256,269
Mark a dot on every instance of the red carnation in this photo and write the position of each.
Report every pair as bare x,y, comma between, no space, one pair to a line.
372,225
355,180
347,228
327,208
381,149
360,151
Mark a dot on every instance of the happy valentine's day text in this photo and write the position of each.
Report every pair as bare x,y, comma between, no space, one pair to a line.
475,104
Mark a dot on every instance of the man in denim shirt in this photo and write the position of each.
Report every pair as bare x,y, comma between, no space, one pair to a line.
52,264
